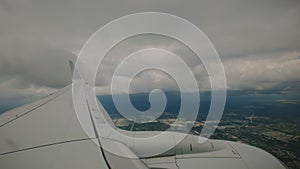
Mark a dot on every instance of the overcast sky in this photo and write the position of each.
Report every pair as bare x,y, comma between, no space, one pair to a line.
257,40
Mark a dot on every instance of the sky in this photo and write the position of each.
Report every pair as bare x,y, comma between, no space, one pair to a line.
258,42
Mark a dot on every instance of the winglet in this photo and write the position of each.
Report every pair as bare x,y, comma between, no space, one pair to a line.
71,66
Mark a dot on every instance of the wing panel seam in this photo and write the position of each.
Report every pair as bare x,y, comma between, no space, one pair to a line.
46,145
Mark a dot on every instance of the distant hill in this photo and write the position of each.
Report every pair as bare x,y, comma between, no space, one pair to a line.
140,102
262,104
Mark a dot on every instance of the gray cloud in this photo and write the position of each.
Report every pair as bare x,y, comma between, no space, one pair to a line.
258,41
264,72
35,62
30,69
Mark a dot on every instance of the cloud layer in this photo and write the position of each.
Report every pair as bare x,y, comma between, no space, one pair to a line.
258,42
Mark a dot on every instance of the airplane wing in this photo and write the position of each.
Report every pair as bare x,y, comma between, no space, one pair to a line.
47,134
